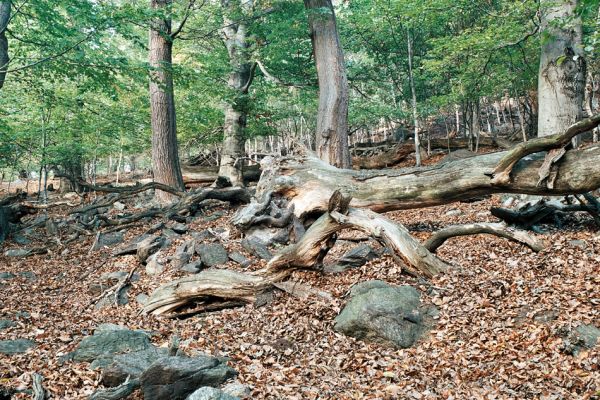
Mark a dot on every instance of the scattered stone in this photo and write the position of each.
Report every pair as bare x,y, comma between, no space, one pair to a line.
17,253
193,267
183,254
117,205
149,246
212,254
153,266
546,316
240,259
108,301
354,258
30,276
179,228
177,377
113,277
4,276
209,393
238,389
110,342
108,239
381,313
109,327
582,244
6,323
131,247
453,213
214,216
20,239
268,235
203,236
15,346
142,298
581,338
257,248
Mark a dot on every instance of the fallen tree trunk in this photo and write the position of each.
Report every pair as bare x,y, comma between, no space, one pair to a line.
308,182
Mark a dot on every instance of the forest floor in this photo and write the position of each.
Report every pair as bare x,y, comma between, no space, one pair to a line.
504,311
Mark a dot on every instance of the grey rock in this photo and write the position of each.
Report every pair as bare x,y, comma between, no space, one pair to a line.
214,216
109,301
6,323
175,378
209,393
21,239
108,239
183,254
354,258
268,235
15,346
240,259
170,233
4,276
179,228
114,277
132,246
581,338
212,254
153,266
453,213
116,369
30,276
203,236
238,389
193,267
149,246
110,342
582,244
117,205
385,314
109,327
142,298
17,253
257,248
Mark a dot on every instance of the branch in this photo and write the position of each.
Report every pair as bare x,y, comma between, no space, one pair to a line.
272,78
496,229
501,174
188,10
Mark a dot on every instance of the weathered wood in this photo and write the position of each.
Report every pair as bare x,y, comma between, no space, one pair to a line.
38,389
496,229
117,392
308,182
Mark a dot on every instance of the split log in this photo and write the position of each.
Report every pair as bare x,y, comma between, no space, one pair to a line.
496,229
532,214
308,182
212,289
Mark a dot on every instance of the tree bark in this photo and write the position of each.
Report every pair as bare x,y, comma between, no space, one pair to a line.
240,77
414,99
165,155
562,71
5,7
332,117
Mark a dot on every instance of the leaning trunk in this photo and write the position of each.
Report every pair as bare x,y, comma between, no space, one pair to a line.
240,77
4,59
165,156
332,118
562,72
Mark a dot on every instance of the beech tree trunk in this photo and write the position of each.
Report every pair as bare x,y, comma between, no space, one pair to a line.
240,77
332,118
562,71
165,155
4,59
414,99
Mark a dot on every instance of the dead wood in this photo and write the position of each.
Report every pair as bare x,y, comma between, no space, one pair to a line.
211,289
496,229
532,214
501,174
38,389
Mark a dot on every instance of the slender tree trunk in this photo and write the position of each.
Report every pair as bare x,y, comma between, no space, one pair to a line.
562,71
165,155
414,99
332,118
4,19
240,77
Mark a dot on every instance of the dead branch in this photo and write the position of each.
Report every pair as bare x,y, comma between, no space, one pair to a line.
38,390
496,229
117,392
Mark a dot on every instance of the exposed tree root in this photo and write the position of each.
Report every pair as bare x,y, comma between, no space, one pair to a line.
496,229
117,392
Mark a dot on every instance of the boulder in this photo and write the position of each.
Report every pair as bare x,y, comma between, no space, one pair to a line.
108,239
176,377
15,346
581,338
153,266
212,254
240,259
132,246
17,253
116,369
183,254
178,228
193,267
117,205
210,393
381,313
149,246
110,342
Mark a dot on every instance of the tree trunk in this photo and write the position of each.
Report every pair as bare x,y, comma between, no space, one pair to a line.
240,78
562,71
4,59
332,118
414,99
165,156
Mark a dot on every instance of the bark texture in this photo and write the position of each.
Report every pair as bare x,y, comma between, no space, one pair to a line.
165,154
236,109
332,118
562,72
4,59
